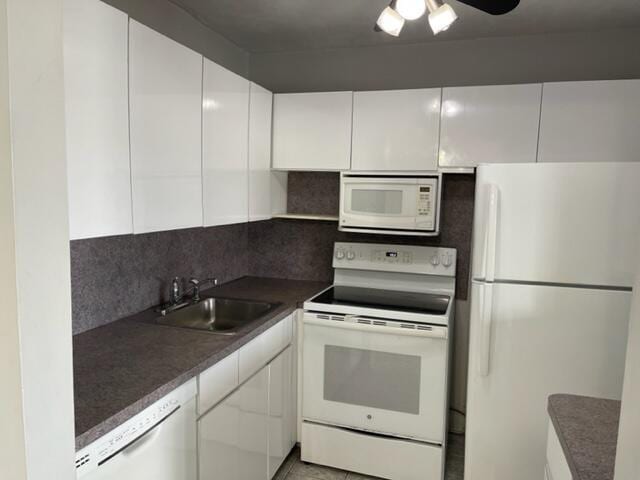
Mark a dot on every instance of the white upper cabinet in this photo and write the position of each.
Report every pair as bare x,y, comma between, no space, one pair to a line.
260,109
396,130
225,127
312,131
97,119
166,122
490,124
590,122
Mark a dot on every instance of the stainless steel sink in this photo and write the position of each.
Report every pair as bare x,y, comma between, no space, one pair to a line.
224,316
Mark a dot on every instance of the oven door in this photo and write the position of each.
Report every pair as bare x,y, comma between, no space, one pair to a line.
394,203
362,374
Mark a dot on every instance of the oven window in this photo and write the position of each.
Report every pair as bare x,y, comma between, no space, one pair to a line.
383,202
389,381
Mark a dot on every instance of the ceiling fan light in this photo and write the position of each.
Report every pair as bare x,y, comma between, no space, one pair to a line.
441,18
390,22
410,9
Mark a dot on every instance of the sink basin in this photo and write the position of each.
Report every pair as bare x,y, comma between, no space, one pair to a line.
224,316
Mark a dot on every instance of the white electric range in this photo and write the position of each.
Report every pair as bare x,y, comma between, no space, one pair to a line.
376,348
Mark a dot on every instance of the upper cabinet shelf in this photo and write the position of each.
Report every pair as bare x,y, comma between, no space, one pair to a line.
590,122
492,124
312,131
396,130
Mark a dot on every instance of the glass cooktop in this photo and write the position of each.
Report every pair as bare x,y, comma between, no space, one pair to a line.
424,303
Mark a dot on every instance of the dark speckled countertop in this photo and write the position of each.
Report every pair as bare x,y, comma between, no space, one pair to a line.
125,366
587,428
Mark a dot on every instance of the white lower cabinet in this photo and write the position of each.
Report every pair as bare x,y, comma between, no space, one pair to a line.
282,409
556,467
232,437
250,432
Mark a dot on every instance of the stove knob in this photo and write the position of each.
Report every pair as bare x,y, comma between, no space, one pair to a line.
351,255
446,260
435,260
339,254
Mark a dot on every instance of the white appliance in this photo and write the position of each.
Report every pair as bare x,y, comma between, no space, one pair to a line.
402,204
158,443
553,262
375,362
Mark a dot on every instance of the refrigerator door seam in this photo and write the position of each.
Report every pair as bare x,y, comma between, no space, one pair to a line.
615,288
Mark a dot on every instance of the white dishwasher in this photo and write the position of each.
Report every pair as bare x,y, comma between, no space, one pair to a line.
158,443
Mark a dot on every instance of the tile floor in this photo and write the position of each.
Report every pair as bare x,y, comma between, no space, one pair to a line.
294,469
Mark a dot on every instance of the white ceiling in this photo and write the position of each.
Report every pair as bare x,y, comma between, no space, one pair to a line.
292,25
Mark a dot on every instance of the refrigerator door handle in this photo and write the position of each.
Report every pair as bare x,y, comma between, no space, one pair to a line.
491,234
486,314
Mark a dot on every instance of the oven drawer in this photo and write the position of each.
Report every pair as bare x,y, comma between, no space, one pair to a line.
370,454
375,378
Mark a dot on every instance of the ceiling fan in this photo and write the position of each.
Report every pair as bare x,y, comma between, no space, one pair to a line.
441,15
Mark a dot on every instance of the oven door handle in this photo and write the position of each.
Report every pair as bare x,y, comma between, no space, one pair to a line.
433,332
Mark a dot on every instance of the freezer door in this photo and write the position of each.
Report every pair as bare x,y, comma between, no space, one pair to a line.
557,223
528,342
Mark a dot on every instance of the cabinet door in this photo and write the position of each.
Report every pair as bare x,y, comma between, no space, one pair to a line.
590,122
281,409
166,109
225,130
493,124
396,130
254,425
218,440
260,109
97,119
232,437
312,131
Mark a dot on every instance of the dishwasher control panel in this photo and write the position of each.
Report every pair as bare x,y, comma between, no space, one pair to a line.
127,434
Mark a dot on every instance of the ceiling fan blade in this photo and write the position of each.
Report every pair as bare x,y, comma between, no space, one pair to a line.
493,7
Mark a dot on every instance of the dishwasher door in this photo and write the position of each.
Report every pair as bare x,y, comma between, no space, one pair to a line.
168,452
161,447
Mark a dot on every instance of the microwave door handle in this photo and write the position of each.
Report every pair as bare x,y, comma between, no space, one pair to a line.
491,234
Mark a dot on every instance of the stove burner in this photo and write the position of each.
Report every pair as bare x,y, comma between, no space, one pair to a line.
413,302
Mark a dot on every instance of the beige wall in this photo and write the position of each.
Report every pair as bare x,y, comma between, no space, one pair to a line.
37,441
628,460
12,453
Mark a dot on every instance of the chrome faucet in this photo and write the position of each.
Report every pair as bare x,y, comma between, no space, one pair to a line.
174,293
195,298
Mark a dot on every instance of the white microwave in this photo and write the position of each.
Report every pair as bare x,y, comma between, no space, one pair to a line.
401,204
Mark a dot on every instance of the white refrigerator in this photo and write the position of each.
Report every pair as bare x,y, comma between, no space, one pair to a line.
554,258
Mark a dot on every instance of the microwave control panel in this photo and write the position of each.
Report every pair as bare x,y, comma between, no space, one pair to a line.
426,203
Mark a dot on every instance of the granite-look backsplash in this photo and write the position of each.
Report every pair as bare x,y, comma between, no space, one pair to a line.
113,277
302,249
313,193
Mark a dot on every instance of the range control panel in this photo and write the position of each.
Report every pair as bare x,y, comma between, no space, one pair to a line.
395,258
